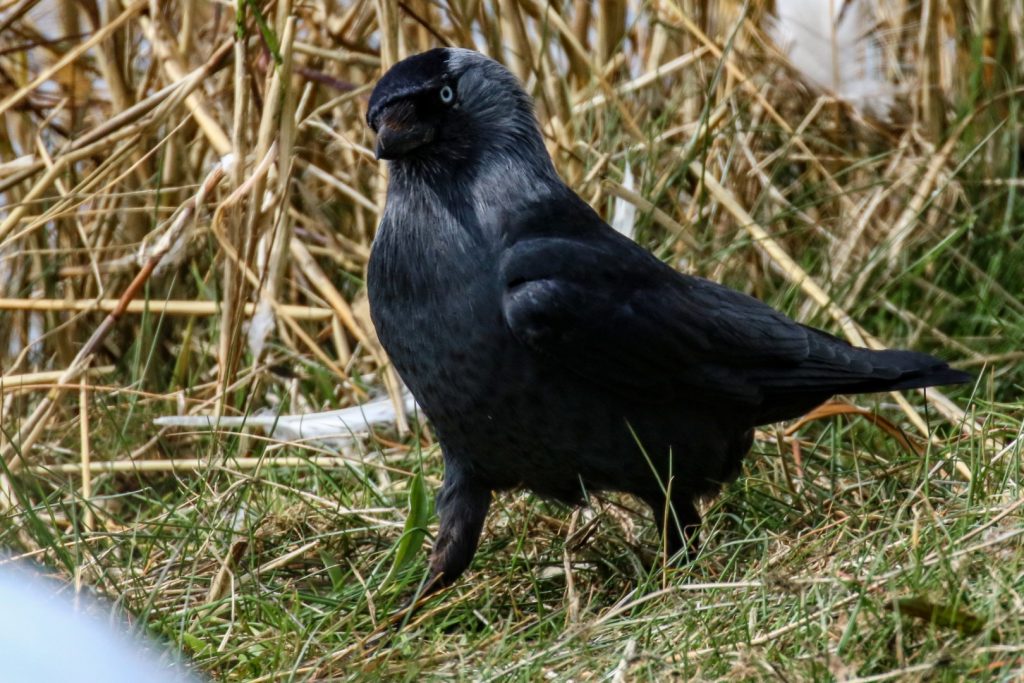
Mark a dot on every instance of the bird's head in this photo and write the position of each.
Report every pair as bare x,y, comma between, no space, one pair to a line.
449,106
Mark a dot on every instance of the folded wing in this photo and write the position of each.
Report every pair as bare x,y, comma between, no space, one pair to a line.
606,309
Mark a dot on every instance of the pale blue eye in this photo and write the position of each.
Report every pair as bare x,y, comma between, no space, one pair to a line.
447,95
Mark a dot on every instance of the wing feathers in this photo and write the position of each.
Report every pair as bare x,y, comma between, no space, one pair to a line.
606,309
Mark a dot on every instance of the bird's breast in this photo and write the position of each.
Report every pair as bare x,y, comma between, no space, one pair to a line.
435,302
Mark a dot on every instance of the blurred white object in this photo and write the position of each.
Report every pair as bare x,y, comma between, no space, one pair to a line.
834,45
260,327
334,428
624,213
48,634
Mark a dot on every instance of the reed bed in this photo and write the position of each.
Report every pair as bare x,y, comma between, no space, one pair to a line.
188,196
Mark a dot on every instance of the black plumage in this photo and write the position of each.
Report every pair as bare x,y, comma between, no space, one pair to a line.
549,351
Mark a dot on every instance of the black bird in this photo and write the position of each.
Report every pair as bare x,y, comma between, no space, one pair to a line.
549,351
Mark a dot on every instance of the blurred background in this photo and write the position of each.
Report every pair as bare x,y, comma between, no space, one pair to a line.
188,196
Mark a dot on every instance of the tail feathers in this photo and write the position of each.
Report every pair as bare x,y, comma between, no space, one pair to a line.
835,366
938,376
851,370
899,369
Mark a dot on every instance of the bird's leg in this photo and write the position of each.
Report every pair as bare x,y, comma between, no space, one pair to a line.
678,524
462,506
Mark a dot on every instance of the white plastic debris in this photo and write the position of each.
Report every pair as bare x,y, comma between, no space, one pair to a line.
624,212
260,326
227,162
834,45
333,428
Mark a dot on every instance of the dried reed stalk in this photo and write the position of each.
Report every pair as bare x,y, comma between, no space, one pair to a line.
139,306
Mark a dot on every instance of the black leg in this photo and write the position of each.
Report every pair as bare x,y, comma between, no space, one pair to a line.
462,506
678,524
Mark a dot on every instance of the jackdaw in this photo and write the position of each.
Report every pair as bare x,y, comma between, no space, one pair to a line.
551,352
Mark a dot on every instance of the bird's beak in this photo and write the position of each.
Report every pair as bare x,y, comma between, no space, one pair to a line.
394,141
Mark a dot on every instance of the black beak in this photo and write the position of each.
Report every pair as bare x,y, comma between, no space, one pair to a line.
394,141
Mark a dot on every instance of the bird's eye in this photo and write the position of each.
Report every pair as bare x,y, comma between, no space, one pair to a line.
447,95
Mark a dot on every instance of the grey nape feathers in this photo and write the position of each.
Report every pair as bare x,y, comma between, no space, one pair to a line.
549,351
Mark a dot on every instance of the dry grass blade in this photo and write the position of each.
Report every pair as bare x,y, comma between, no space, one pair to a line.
173,308
128,13
14,452
829,410
16,381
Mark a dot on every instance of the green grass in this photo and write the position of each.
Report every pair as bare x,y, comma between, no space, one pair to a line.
797,578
